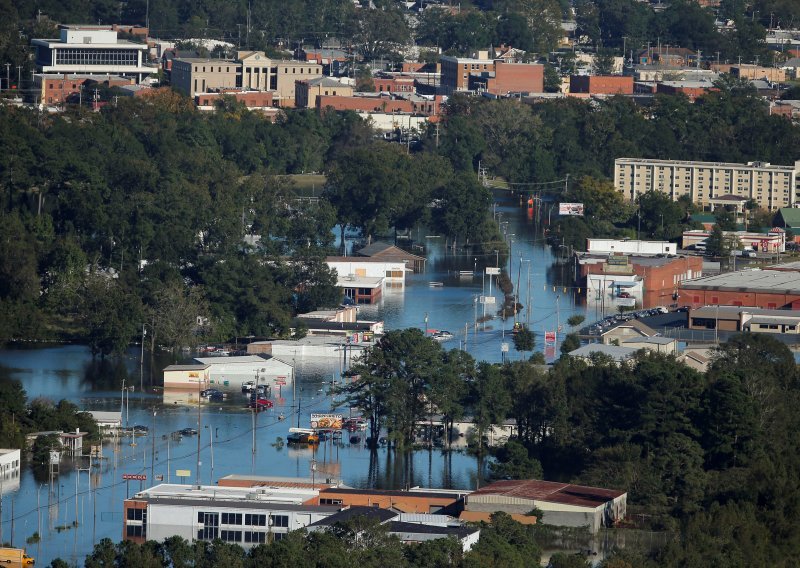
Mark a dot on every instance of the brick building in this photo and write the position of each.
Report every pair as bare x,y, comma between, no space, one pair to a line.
393,84
601,84
494,76
658,277
382,103
251,99
770,289
692,89
510,78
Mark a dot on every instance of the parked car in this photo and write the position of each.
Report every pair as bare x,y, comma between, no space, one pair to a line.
140,429
188,432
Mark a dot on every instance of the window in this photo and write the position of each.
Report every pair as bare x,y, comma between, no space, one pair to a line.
210,530
231,518
255,520
80,56
135,514
279,536
255,537
231,536
134,531
280,520
330,501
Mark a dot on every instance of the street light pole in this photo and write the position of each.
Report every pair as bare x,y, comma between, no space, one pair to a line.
211,435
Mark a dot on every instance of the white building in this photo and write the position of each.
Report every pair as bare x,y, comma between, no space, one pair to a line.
771,242
9,470
92,51
239,515
628,246
390,271
233,371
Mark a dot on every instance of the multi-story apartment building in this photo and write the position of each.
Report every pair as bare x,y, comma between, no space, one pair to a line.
771,186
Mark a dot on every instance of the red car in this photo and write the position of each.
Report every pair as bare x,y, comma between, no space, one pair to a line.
623,295
261,404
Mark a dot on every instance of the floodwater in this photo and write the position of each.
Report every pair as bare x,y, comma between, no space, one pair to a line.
83,504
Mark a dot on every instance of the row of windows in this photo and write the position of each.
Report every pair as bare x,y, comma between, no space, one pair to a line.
250,537
211,69
97,57
252,520
136,514
136,530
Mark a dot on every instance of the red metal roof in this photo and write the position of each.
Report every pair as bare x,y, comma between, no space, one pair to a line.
550,491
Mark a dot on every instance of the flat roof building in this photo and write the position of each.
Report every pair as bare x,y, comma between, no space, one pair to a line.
770,289
563,504
771,186
88,50
238,515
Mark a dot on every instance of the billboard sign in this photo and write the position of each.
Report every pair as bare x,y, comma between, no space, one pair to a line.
326,421
570,209
549,336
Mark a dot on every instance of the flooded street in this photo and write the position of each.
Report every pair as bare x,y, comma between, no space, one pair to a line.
84,504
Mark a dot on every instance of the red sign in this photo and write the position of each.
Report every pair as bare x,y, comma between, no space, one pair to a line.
549,336
136,476
280,381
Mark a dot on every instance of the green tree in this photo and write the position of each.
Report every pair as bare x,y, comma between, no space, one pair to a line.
523,339
514,462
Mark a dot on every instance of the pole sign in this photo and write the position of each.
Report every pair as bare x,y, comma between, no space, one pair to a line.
492,271
183,473
136,476
549,336
575,209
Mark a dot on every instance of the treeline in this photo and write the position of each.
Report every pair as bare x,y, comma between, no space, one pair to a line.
698,454
151,212
20,417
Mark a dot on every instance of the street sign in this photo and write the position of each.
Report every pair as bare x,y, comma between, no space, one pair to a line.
504,347
492,271
136,476
280,381
55,457
487,299
183,473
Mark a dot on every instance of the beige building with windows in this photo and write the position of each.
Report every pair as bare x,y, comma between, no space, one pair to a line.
199,75
251,71
771,186
260,73
306,92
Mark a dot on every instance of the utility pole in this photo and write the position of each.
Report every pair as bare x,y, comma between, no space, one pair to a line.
19,76
8,76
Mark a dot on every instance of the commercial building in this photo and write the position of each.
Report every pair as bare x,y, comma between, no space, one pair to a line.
738,318
414,500
773,241
9,470
771,186
629,246
360,289
651,280
393,84
494,76
192,75
233,371
601,84
307,91
563,504
191,378
89,50
770,289
756,72
692,89
244,516
56,89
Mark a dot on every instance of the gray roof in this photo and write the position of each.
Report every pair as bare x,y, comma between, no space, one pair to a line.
774,281
356,511
616,352
642,328
415,528
326,82
221,503
777,320
185,367
654,340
